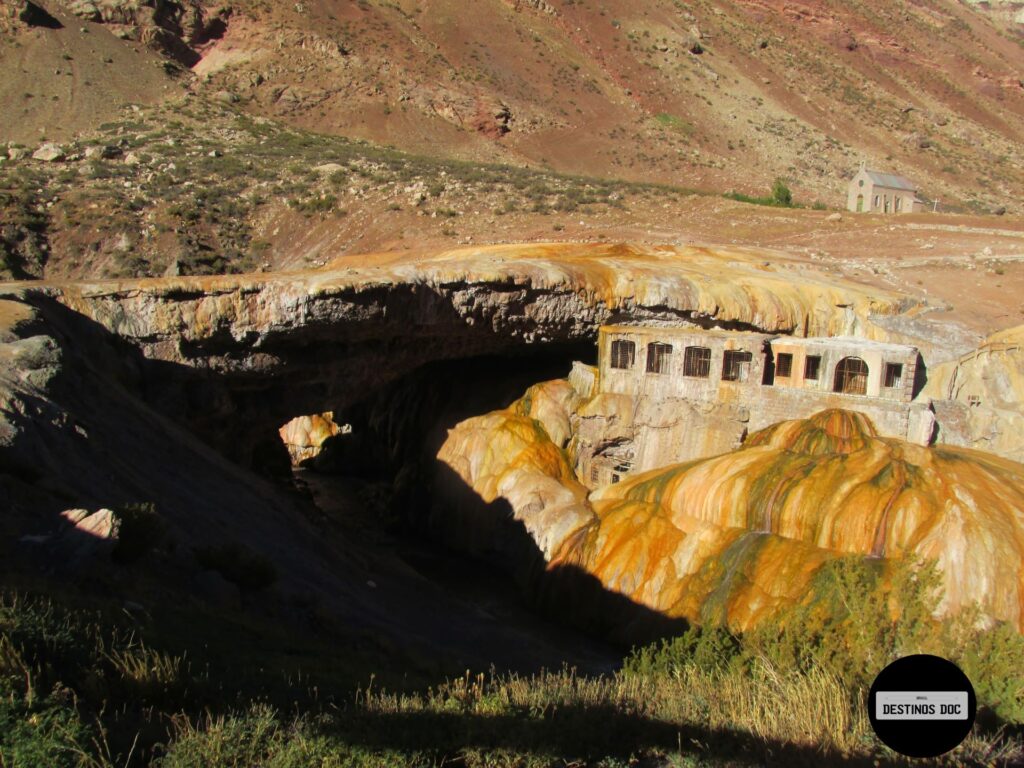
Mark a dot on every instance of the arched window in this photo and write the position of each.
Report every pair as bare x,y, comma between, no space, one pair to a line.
623,353
658,357
851,377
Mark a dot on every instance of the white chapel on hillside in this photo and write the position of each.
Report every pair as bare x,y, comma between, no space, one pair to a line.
876,192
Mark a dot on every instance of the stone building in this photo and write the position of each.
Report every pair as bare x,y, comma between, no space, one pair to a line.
876,192
670,394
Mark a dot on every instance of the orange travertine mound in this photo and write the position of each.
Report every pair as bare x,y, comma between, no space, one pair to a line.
739,536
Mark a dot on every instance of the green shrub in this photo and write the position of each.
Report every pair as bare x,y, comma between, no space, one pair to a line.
994,662
41,732
140,529
316,204
857,619
257,737
781,194
780,197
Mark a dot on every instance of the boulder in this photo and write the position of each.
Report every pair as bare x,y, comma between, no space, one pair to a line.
104,153
102,524
86,537
85,9
34,15
327,169
304,436
49,153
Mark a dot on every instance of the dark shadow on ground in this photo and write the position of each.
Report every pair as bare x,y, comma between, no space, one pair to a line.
37,16
580,733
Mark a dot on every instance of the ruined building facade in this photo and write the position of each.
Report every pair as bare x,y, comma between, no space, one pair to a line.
670,394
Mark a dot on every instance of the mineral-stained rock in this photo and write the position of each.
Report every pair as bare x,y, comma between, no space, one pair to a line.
984,390
829,483
509,455
738,537
304,436
383,315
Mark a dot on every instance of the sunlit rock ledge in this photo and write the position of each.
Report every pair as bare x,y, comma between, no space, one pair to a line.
535,291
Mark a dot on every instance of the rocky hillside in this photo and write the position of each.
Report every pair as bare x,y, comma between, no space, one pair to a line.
710,94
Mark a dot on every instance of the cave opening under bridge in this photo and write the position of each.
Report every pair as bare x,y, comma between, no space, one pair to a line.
388,441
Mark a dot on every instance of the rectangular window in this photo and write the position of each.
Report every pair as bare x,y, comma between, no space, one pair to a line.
658,357
784,365
697,362
736,365
812,367
623,353
595,473
893,374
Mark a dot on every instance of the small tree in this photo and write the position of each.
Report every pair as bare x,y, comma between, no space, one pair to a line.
781,194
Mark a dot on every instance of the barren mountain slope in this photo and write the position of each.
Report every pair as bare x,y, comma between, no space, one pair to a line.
705,94
62,75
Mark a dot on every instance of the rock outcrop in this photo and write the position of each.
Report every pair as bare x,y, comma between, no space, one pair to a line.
304,436
738,537
253,351
171,27
981,395
104,385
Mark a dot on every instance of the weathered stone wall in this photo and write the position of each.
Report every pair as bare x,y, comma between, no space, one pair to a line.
673,381
644,419
832,351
